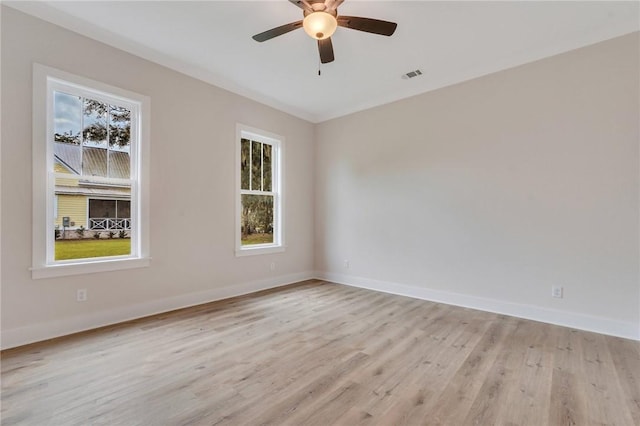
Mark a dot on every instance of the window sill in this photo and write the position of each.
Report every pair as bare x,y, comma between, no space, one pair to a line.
259,250
61,270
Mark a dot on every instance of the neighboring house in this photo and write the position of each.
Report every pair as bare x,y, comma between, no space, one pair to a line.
90,204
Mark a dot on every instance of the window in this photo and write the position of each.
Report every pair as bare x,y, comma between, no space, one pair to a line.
109,215
259,192
90,169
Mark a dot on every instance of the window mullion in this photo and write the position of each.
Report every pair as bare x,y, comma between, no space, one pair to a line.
98,179
81,171
250,164
252,192
108,112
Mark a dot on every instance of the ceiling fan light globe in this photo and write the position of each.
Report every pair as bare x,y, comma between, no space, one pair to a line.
320,25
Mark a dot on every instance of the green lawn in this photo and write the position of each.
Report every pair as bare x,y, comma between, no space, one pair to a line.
257,239
82,249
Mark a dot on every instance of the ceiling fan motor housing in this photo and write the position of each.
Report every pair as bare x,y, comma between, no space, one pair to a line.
318,6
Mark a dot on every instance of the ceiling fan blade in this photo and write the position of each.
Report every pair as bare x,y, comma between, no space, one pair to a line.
369,25
277,31
326,50
302,4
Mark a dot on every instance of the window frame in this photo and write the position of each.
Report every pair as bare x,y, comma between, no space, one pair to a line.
46,80
277,188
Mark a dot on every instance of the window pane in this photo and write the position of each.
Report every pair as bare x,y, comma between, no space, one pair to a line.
105,232
119,165
244,163
257,219
94,161
266,167
119,128
67,158
94,132
67,118
256,166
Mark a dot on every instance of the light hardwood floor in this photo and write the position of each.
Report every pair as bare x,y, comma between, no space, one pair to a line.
318,353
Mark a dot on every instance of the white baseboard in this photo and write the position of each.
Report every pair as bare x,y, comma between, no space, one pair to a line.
37,332
608,326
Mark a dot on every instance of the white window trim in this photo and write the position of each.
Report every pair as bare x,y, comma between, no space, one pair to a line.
277,141
43,224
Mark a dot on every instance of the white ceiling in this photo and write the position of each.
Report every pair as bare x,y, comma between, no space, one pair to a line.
449,41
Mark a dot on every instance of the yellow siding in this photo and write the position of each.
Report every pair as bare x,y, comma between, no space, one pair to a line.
74,206
59,168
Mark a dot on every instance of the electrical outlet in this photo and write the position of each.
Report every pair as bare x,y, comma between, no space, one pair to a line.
81,295
346,264
556,292
273,266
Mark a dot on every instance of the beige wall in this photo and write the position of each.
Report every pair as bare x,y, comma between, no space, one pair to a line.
489,192
193,127
484,194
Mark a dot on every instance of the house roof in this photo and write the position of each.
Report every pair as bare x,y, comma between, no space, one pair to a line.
68,155
92,161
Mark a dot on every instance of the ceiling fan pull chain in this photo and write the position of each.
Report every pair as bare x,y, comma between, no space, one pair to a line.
319,65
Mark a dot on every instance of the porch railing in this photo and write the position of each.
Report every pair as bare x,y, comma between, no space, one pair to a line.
106,224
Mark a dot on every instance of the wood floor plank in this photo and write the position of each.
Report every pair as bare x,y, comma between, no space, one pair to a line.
453,405
602,387
528,402
409,370
433,373
569,405
625,355
317,353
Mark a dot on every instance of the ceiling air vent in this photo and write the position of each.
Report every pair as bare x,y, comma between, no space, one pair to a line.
411,74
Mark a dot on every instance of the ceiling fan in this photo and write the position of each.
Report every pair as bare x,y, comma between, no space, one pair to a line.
321,20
